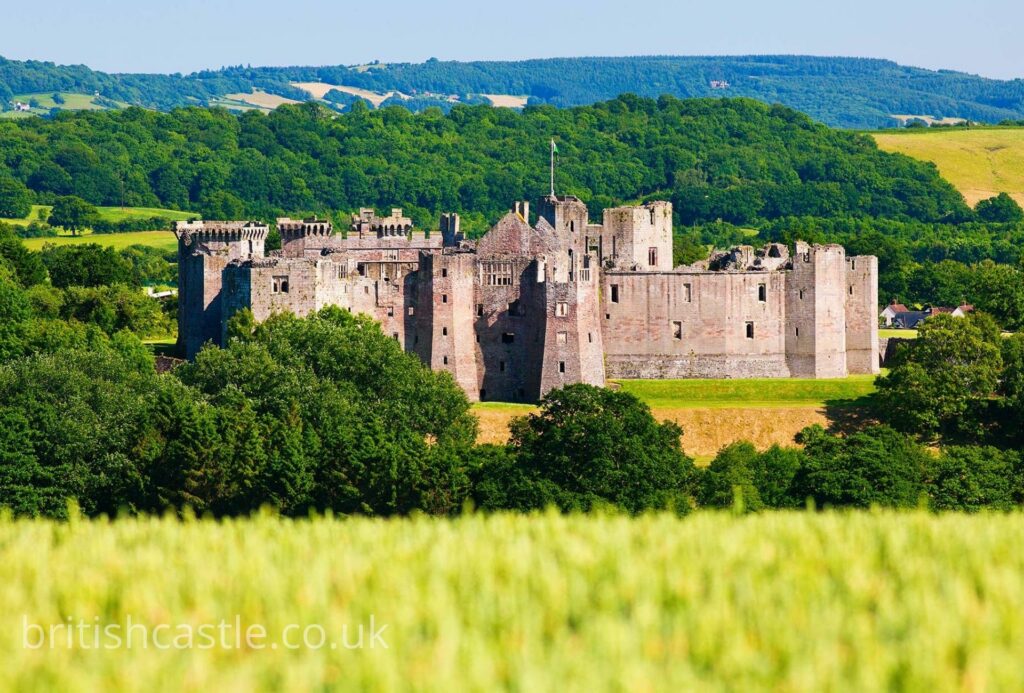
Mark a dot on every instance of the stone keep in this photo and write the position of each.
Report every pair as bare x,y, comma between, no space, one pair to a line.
539,303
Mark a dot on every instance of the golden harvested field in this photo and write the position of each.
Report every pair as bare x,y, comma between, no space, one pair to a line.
319,89
980,162
858,601
260,99
506,100
705,431
714,413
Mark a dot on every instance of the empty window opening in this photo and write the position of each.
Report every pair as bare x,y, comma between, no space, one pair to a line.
412,310
590,337
446,360
415,339
687,292
561,338
607,316
395,335
561,309
851,289
391,311
561,366
615,293
508,337
853,264
479,310
444,272
750,330
801,294
515,308
762,292
366,289
444,331
798,332
501,366
497,273
444,298
652,256
677,329
279,285
341,272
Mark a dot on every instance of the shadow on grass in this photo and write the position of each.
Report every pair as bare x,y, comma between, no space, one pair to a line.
848,416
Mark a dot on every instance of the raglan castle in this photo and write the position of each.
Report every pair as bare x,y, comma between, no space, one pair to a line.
545,298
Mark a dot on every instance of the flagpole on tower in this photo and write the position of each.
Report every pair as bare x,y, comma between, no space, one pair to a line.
554,149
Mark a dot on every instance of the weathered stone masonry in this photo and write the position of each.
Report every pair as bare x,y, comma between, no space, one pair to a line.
530,307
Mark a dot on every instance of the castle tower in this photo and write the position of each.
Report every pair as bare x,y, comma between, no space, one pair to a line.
573,343
816,312
445,336
861,315
302,236
638,237
204,250
451,233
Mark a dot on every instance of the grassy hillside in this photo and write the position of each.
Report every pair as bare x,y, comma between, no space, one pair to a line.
41,212
164,240
777,601
980,162
844,92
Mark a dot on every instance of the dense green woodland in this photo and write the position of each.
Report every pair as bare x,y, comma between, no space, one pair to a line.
844,92
735,160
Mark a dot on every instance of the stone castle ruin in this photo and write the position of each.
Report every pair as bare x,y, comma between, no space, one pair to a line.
534,305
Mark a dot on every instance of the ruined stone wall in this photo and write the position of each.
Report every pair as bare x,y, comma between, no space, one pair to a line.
861,312
694,324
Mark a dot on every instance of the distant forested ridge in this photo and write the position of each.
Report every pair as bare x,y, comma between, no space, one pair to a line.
735,160
842,92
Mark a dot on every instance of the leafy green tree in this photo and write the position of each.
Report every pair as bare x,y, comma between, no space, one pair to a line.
875,466
774,471
78,421
1002,208
590,446
15,311
73,213
15,200
973,478
942,382
87,264
221,205
27,266
729,479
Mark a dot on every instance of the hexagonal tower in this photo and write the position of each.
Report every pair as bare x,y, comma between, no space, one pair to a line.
204,249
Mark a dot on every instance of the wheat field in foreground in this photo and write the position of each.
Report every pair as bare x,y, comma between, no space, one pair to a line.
793,601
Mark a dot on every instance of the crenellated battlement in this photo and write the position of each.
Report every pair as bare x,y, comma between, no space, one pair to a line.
188,232
293,229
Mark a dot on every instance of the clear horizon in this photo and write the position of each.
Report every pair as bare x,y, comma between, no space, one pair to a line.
119,35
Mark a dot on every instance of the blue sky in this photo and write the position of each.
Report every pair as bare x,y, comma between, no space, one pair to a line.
979,36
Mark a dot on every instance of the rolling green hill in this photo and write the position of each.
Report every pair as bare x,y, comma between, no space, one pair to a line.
980,162
844,92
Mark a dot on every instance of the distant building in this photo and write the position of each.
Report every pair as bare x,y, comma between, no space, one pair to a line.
890,312
909,320
537,304
720,84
